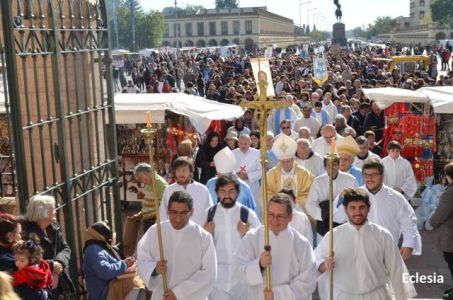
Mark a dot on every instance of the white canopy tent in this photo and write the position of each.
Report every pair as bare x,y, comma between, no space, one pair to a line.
441,98
132,108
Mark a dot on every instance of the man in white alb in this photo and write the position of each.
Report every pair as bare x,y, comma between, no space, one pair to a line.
183,170
248,166
388,208
290,257
365,259
190,274
398,173
228,221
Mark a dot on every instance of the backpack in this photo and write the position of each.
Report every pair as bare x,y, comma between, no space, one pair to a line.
244,213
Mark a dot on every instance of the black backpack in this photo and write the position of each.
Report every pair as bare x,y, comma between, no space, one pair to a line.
244,213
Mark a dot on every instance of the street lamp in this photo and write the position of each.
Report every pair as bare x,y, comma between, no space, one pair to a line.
308,14
300,10
317,16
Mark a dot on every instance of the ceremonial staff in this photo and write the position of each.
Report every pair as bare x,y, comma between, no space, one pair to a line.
263,107
149,132
332,157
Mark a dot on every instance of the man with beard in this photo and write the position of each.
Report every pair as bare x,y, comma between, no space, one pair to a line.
365,259
228,221
224,164
183,170
290,257
389,209
190,274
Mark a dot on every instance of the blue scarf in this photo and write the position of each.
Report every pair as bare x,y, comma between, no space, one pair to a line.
277,119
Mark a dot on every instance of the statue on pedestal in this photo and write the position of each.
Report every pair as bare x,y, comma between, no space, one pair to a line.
338,12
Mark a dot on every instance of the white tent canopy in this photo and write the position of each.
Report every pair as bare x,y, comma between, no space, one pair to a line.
441,98
120,51
131,109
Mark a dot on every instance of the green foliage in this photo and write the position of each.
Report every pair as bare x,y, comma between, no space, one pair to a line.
193,9
226,4
318,36
442,11
149,26
381,25
357,32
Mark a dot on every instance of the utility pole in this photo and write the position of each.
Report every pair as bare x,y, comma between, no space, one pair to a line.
133,24
300,11
177,26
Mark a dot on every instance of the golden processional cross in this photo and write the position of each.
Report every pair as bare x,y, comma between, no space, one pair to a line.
263,107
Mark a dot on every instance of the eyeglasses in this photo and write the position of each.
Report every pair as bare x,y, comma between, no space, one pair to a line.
286,127
175,213
277,217
371,175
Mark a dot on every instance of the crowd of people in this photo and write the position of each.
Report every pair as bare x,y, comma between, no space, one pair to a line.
211,206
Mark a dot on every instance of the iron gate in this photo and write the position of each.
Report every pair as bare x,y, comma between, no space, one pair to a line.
58,67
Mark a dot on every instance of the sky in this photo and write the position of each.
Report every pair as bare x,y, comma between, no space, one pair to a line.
355,12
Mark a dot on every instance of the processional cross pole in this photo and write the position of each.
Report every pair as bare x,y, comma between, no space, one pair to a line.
263,107
149,133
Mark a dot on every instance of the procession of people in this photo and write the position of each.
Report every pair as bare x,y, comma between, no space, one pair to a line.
327,210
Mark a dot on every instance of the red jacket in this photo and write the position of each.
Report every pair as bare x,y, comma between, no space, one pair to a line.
35,277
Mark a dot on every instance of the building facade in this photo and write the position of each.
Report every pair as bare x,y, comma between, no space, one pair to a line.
419,26
245,27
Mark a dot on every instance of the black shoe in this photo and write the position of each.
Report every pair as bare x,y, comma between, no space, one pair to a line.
448,294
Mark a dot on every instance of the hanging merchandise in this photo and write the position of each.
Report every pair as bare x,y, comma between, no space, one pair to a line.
416,133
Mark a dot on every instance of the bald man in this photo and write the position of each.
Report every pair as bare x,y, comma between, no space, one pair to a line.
322,144
248,166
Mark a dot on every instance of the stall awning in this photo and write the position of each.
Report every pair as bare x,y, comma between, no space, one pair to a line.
131,108
441,97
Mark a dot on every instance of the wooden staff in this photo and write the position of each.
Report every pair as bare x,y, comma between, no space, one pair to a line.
149,132
263,108
332,158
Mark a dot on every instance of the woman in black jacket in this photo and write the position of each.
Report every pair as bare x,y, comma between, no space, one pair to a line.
205,156
40,219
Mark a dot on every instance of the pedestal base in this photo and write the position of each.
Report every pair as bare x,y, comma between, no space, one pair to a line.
339,35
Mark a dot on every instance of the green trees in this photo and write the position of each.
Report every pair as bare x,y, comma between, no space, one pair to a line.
381,25
226,4
149,26
442,11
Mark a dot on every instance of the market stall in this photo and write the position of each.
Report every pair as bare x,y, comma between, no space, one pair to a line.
422,121
179,116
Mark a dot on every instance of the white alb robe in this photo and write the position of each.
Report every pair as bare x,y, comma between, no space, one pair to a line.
311,123
301,224
331,110
321,147
250,162
200,196
293,268
319,191
365,261
392,211
190,274
226,240
399,173
358,162
314,164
